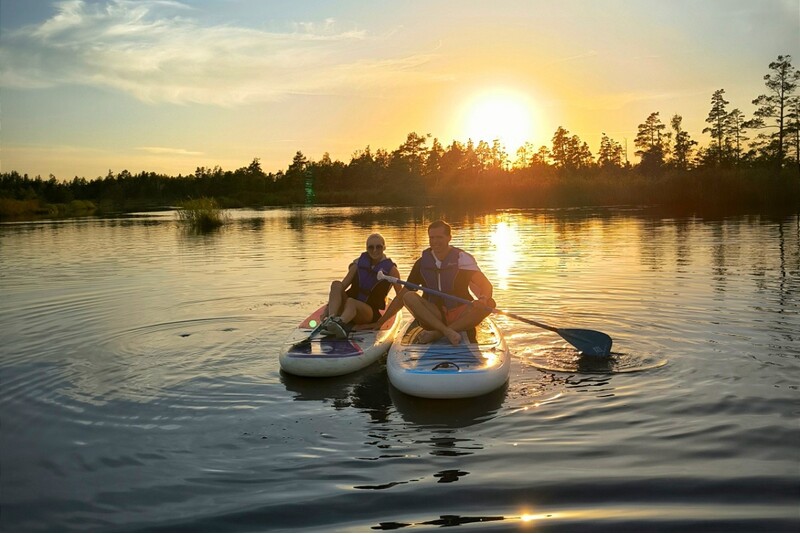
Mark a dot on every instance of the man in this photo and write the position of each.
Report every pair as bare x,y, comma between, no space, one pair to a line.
450,270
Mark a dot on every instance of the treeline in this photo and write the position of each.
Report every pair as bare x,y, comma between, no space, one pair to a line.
751,163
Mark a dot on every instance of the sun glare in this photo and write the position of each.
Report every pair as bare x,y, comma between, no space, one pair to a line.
503,115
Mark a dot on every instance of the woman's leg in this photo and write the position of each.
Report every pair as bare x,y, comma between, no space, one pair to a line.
336,299
356,312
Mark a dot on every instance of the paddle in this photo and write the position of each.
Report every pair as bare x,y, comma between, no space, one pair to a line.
588,342
313,333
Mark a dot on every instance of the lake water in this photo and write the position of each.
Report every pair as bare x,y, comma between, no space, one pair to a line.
141,388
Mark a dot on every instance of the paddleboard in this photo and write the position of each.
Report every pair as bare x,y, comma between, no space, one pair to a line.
441,370
324,355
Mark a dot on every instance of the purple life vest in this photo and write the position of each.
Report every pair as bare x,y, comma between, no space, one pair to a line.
442,278
370,289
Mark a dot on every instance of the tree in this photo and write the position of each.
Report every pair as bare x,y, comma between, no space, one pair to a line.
410,156
560,151
736,130
653,143
524,155
299,163
362,157
403,177
328,174
470,162
453,158
362,169
433,162
773,108
610,155
382,158
541,158
682,150
583,156
484,154
717,118
499,156
794,129
295,175
569,152
255,167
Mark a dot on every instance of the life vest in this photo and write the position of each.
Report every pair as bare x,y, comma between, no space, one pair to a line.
370,289
443,278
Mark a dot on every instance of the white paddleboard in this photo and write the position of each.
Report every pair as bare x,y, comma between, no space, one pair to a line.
324,355
441,370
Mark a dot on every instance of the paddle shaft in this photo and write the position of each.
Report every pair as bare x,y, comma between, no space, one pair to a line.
588,342
394,280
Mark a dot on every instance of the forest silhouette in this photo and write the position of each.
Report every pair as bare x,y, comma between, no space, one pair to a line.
749,165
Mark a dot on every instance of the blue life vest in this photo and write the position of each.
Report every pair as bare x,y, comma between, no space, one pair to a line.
370,289
442,278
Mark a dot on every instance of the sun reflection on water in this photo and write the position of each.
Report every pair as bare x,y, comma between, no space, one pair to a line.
505,239
532,517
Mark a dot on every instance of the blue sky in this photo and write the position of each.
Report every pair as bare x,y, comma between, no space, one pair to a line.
167,86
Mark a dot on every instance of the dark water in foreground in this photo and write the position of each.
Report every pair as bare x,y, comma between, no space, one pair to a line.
140,387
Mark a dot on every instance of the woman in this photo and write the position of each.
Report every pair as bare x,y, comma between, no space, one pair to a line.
359,298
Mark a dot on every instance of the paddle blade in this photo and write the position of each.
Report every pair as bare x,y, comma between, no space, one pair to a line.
588,342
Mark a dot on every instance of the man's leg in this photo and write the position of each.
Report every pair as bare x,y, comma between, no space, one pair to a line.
471,318
429,317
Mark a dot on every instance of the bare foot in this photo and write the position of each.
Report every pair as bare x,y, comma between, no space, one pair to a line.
428,336
453,336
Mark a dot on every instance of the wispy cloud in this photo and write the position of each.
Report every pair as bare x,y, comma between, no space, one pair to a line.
589,54
155,51
169,151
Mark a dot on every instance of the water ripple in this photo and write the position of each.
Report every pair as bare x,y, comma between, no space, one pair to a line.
141,388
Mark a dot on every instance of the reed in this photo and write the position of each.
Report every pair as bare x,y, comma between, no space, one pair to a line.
202,214
36,209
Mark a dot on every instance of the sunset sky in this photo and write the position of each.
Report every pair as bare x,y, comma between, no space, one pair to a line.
167,86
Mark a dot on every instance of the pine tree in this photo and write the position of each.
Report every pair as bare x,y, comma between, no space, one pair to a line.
735,125
773,108
717,119
682,151
653,143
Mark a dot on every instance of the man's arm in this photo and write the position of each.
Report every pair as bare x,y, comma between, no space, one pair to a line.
482,288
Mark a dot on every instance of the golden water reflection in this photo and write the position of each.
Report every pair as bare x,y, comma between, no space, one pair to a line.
506,240
166,308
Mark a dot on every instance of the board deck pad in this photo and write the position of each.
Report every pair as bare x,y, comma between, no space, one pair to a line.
326,346
483,334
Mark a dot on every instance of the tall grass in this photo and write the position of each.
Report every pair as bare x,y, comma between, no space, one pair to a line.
202,214
35,209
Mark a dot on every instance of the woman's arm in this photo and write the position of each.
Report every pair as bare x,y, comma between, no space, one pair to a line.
394,306
347,281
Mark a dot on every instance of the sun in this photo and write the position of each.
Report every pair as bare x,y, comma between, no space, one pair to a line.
500,114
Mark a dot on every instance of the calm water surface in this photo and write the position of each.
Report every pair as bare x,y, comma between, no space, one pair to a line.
140,387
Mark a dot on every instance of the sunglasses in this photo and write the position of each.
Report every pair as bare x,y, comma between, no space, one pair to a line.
374,247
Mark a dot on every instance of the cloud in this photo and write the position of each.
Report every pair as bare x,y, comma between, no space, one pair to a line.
589,54
155,52
171,151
